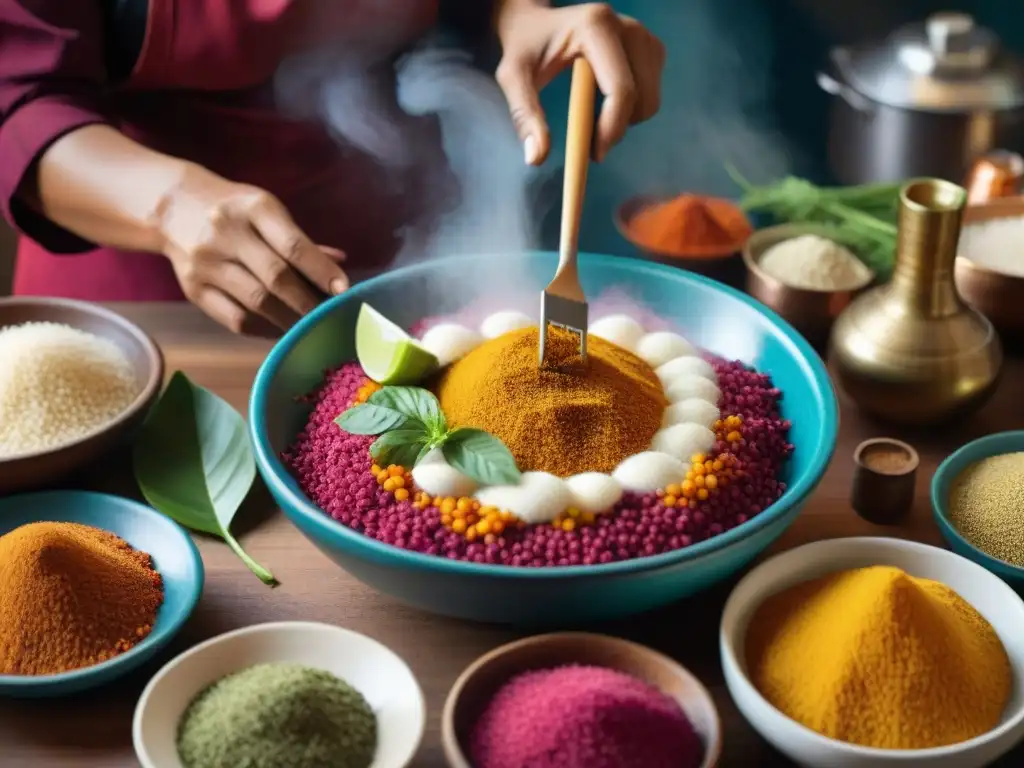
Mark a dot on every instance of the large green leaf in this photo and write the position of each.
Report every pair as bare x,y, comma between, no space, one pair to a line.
193,462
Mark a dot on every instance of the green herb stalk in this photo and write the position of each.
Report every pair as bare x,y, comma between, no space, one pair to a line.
863,217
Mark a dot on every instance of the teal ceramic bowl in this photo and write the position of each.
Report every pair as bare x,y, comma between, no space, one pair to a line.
720,319
942,482
175,558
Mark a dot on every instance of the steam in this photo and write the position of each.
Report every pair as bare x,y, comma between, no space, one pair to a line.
715,106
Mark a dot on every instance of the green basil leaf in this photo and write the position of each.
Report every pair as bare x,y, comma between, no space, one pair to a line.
416,403
400,446
370,419
194,463
481,456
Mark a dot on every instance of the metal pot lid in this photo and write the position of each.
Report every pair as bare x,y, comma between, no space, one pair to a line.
945,64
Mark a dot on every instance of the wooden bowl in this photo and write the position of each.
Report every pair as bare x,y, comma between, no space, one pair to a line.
34,470
478,684
998,296
725,266
810,312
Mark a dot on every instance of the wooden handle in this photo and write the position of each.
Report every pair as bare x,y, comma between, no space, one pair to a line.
578,142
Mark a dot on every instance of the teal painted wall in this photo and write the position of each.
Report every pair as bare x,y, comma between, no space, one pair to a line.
738,86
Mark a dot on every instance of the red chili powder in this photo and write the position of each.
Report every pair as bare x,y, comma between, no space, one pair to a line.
583,717
691,225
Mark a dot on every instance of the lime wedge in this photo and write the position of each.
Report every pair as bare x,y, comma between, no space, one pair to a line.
387,353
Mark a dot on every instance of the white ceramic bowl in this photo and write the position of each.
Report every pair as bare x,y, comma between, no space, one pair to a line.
999,604
374,670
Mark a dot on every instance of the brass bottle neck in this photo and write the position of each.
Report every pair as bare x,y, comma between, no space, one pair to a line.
929,229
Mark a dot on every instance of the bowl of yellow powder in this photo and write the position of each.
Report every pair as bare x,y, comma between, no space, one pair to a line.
874,652
77,380
978,503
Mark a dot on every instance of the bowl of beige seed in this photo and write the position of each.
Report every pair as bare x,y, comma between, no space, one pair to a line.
978,503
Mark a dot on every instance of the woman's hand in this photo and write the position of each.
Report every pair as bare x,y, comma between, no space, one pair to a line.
538,42
240,257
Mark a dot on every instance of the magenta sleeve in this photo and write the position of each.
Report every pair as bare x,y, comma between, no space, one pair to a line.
51,82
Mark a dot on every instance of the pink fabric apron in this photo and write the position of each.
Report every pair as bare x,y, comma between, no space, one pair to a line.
200,91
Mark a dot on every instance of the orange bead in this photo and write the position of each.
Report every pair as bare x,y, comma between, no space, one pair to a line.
459,526
569,525
401,494
673,490
448,506
588,518
394,470
710,482
471,534
669,501
464,504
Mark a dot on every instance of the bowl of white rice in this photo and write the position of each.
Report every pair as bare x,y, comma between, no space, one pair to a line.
76,380
990,263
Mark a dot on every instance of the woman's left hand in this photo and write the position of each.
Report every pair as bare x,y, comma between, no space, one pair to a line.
538,42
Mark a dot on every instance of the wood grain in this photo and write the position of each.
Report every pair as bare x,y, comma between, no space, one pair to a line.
94,730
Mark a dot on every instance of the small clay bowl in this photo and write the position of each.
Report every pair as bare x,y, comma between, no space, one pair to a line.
883,480
725,266
996,295
811,312
478,684
34,470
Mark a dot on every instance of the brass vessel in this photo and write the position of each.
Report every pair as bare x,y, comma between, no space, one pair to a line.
912,351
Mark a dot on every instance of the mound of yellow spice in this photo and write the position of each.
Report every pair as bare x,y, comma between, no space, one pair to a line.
879,658
565,418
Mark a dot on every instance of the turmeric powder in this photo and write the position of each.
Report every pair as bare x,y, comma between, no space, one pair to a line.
565,418
879,658
71,596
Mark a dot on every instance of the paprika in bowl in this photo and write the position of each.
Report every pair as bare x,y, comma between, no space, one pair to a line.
701,233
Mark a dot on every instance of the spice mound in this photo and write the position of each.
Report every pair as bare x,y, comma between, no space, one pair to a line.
986,505
583,717
278,716
814,263
565,418
879,658
58,384
691,225
71,596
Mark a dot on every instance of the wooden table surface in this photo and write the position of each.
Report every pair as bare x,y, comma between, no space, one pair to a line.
94,729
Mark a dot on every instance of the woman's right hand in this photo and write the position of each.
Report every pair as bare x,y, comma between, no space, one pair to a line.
241,258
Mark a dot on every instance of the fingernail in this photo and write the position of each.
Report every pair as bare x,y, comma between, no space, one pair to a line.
339,285
530,150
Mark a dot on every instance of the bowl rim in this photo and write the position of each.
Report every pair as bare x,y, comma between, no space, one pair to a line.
150,388
277,477
789,231
944,471
171,665
450,740
729,657
622,221
154,640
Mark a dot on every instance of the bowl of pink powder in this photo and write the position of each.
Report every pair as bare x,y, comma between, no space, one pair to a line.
579,700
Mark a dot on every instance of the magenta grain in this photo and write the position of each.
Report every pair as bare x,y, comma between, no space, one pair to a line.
332,467
583,717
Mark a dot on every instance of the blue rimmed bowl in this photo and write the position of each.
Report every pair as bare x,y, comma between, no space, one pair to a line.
942,482
175,558
717,318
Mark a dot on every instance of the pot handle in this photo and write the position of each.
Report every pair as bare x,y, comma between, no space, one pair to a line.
829,84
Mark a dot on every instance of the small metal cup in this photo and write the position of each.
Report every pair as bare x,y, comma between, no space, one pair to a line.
883,480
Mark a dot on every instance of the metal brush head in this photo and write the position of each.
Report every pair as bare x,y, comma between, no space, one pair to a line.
565,313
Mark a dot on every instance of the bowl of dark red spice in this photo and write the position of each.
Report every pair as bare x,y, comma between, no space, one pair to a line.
91,587
579,700
281,695
977,497
697,232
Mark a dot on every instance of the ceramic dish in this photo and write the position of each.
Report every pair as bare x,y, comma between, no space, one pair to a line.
811,312
942,482
990,596
175,558
996,295
482,679
713,316
725,266
374,670
33,470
